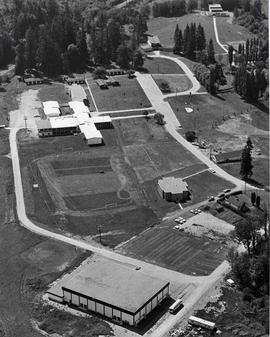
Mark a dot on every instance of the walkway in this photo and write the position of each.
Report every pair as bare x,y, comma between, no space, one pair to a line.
216,34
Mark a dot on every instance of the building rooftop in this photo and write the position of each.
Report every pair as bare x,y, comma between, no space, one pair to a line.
172,185
63,122
153,39
43,124
90,131
51,104
77,93
227,156
101,119
115,283
51,111
78,107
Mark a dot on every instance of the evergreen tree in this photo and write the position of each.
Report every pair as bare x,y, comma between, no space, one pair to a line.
176,34
246,163
138,59
82,46
200,38
177,41
211,52
73,55
235,13
114,37
123,56
19,59
247,50
30,48
230,54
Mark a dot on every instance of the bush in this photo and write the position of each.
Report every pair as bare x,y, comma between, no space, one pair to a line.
190,136
100,72
164,86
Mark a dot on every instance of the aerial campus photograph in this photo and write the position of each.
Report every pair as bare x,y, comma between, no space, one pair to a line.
134,168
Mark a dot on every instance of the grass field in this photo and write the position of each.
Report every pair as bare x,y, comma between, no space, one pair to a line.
176,250
225,122
129,95
176,83
228,32
206,184
53,92
165,27
161,66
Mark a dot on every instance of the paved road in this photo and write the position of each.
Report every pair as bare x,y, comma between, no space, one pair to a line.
216,34
156,98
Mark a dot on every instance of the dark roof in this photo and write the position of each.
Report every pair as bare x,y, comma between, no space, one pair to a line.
228,156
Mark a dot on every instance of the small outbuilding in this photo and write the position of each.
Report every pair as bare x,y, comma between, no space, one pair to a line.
173,189
227,157
75,80
154,42
33,80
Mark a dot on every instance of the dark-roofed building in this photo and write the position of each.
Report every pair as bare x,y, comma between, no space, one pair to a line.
115,72
227,157
33,80
118,291
102,84
75,80
154,42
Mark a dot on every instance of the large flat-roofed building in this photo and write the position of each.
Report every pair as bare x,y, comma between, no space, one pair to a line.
173,189
118,291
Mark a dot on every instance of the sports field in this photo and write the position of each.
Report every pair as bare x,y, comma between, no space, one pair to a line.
129,95
176,250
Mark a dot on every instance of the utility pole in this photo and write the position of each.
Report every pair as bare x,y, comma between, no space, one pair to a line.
99,231
25,122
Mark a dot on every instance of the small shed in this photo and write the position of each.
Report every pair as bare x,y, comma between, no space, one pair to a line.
154,41
33,80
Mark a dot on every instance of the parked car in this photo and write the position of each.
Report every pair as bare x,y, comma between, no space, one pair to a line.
212,198
198,210
227,190
212,170
176,227
192,211
230,282
221,195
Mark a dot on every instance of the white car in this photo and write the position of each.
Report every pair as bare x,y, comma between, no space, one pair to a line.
212,170
198,210
176,227
192,211
183,221
178,220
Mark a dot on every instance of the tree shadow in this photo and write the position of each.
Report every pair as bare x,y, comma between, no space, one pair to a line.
254,182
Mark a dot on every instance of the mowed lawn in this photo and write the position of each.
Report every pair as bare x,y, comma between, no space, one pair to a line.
157,65
129,95
177,83
228,32
205,184
176,250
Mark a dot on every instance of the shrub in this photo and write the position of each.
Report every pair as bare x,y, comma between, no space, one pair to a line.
190,136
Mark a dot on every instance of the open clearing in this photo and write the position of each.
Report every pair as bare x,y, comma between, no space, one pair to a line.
176,250
225,122
129,95
165,27
161,66
177,83
205,184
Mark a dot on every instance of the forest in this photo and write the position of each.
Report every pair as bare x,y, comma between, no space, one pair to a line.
62,38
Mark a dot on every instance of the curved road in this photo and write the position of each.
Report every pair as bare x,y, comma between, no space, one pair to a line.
202,283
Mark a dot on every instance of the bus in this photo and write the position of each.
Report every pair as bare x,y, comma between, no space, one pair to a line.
175,306
193,320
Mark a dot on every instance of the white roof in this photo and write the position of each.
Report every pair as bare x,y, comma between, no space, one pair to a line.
101,119
51,111
78,107
51,104
77,92
172,185
90,131
83,118
63,122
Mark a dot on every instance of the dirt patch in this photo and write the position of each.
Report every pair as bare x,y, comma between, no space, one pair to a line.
206,225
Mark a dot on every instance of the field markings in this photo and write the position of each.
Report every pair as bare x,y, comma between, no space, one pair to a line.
91,94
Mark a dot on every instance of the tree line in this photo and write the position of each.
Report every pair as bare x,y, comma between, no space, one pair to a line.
251,78
62,38
171,8
193,45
